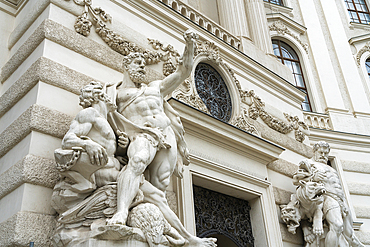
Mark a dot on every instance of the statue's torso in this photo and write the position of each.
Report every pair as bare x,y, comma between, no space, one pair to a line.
332,182
147,107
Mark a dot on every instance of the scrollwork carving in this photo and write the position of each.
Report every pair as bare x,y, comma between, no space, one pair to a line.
361,52
281,29
242,122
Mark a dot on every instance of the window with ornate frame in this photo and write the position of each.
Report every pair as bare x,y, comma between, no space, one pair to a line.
213,91
367,64
289,57
278,2
358,11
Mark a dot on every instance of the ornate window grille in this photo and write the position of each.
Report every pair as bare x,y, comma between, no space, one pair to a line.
358,11
213,91
289,57
216,213
367,64
278,2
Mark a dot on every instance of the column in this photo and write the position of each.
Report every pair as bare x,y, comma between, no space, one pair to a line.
257,22
233,17
320,55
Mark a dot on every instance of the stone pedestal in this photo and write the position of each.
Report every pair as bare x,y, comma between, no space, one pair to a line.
119,243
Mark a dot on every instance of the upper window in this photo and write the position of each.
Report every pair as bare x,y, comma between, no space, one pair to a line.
367,64
289,57
278,2
358,11
212,90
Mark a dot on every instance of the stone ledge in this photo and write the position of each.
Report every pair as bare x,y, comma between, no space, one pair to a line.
35,118
362,211
25,227
291,238
282,197
68,38
359,189
363,236
45,70
31,169
284,167
354,166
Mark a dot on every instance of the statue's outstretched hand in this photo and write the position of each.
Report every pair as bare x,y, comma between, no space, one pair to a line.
122,139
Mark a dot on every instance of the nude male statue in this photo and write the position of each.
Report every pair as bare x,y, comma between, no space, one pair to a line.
156,138
335,209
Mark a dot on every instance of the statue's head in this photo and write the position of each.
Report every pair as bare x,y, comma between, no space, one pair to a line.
321,151
134,64
92,94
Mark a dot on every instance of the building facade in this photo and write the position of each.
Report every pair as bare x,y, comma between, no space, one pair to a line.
270,79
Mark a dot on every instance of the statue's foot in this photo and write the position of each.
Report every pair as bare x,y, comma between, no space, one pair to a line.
318,229
202,242
119,218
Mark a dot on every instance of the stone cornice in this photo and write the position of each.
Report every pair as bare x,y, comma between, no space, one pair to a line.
47,71
35,118
31,169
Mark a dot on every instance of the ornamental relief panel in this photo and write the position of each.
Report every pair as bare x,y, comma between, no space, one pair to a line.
252,106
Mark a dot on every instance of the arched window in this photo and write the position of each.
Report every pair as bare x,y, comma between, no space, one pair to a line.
367,64
358,11
212,90
278,2
289,57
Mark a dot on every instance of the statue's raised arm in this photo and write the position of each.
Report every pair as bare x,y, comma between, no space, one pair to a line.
172,81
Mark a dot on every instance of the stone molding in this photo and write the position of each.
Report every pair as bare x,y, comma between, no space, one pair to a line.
22,227
35,118
317,120
283,167
359,188
362,211
45,70
203,21
31,169
361,52
354,166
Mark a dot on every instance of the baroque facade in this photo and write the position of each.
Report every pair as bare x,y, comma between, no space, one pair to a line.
269,80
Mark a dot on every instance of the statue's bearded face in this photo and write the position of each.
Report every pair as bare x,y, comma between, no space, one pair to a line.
136,70
321,155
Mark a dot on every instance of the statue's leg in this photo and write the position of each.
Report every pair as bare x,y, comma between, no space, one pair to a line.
140,153
163,165
158,198
335,221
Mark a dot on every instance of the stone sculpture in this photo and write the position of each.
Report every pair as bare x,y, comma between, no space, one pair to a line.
116,162
319,204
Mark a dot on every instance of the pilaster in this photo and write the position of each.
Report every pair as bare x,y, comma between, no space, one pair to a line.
321,56
233,17
344,55
258,28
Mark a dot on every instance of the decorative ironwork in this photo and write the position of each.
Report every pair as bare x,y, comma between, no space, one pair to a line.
216,213
212,90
